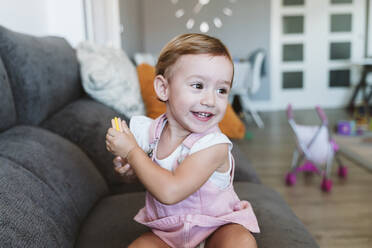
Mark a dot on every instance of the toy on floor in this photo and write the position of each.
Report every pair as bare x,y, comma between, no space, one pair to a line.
349,128
315,150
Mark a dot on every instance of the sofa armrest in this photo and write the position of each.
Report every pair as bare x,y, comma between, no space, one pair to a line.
243,168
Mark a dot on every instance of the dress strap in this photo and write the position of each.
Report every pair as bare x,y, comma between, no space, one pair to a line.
154,134
194,137
191,139
156,128
232,168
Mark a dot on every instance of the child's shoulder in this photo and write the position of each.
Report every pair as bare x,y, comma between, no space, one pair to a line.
139,122
209,140
139,125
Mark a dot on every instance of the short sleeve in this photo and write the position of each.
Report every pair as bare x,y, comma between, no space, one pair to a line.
140,127
210,140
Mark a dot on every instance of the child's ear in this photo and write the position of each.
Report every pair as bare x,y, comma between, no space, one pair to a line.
161,87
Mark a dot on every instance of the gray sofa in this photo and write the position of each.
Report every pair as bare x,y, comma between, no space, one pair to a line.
57,184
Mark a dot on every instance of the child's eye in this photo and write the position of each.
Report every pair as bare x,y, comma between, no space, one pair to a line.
197,86
222,91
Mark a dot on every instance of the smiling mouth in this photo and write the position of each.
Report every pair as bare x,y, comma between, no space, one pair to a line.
203,116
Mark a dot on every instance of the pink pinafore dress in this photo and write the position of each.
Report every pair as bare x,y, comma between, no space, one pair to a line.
190,221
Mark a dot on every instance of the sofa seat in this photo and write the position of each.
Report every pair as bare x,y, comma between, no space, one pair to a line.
111,223
107,225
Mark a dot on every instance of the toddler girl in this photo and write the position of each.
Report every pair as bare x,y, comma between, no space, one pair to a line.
182,158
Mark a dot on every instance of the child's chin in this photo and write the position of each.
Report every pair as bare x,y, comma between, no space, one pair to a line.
200,129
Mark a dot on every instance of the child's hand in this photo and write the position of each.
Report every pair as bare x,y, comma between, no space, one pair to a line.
121,142
124,169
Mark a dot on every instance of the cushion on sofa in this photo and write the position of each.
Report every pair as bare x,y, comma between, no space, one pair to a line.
111,223
243,168
43,74
85,123
110,77
7,109
58,164
32,214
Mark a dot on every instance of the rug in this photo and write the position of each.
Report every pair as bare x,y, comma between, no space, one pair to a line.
356,148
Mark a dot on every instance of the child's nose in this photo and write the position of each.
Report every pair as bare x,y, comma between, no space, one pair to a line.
208,99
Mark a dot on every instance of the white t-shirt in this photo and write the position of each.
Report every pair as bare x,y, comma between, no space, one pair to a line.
140,125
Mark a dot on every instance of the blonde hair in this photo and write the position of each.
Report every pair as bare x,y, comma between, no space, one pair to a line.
188,44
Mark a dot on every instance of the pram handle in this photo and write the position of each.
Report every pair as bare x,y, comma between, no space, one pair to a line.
289,112
321,114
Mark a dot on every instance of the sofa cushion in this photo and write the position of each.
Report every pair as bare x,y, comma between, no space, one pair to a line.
58,165
32,214
109,77
243,168
85,123
43,74
111,224
7,109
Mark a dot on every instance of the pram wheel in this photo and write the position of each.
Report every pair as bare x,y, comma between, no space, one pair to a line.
290,179
342,171
326,184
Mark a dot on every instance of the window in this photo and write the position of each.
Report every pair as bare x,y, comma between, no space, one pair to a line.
341,22
293,24
339,78
293,52
293,2
341,1
292,80
340,50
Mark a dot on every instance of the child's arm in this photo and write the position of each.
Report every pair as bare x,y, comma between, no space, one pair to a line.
169,187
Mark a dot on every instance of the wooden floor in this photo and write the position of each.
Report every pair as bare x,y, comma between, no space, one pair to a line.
341,218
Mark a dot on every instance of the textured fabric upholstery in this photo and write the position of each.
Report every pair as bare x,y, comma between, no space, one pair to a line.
111,222
85,122
20,196
7,109
51,176
29,207
243,168
43,74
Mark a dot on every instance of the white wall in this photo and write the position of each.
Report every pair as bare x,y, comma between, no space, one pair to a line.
24,16
66,18
45,17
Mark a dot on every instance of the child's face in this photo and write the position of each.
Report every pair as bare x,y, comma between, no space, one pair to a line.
198,91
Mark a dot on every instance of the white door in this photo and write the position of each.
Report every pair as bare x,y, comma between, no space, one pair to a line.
313,44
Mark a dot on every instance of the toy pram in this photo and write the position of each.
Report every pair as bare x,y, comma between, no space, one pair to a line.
315,151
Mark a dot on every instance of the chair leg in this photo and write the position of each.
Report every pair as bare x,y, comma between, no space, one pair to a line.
247,106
